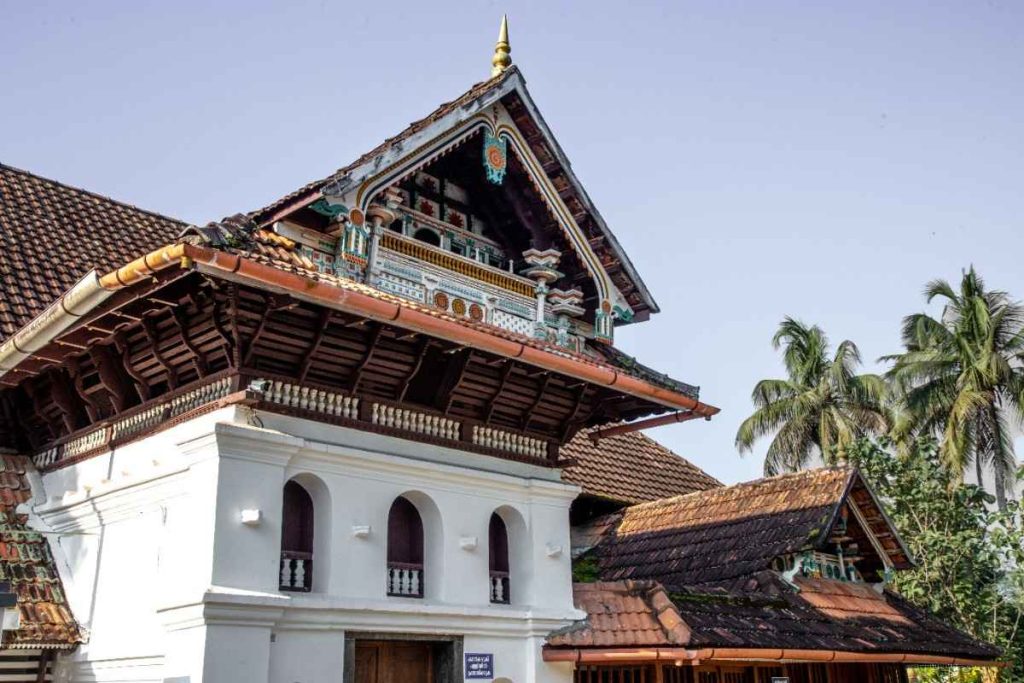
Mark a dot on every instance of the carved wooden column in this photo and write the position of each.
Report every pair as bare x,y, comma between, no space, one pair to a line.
541,267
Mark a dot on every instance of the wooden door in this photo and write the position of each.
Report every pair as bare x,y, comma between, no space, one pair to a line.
394,662
367,664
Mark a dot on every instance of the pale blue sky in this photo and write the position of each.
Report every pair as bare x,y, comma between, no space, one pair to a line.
821,160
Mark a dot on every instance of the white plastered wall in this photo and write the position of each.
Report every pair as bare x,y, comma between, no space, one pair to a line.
172,586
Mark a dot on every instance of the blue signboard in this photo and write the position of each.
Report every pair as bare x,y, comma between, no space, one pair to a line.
479,665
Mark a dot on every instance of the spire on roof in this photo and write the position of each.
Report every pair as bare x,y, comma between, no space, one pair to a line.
502,59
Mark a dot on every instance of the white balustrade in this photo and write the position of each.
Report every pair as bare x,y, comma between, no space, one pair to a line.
414,421
314,400
296,571
511,442
405,580
499,587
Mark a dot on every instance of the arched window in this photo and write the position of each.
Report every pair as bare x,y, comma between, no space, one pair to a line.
405,550
296,539
497,543
427,235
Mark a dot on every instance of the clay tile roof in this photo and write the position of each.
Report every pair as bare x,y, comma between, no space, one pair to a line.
623,614
760,612
51,234
819,614
632,468
723,533
28,565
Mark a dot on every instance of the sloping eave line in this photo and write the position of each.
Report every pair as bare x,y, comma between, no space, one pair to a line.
72,305
695,656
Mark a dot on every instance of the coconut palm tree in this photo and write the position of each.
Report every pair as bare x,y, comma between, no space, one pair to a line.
820,408
961,378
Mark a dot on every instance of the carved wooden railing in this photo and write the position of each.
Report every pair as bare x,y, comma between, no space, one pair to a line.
458,264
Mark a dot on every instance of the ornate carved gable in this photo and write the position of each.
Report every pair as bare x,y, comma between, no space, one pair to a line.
482,179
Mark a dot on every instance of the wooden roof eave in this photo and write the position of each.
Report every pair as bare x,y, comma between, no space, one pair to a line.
694,656
581,192
233,267
37,335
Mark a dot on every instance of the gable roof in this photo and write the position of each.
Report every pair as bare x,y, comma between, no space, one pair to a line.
28,565
631,468
720,535
765,619
509,88
51,234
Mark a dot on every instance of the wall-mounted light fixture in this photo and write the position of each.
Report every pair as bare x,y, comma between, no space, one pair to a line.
251,516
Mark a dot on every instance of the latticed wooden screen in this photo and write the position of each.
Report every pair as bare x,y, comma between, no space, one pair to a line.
797,673
615,674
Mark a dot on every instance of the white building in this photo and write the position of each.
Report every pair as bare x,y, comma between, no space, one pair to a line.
321,441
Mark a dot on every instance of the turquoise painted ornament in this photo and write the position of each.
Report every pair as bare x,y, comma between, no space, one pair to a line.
495,157
325,208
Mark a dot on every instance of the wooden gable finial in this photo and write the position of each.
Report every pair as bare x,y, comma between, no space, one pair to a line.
502,58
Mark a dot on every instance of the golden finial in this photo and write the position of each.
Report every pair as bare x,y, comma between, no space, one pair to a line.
502,59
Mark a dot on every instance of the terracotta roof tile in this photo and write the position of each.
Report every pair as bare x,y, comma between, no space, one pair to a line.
821,614
764,613
27,563
632,468
622,614
51,234
722,533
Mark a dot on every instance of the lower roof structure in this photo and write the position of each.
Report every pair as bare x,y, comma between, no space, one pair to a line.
819,620
791,568
631,468
28,565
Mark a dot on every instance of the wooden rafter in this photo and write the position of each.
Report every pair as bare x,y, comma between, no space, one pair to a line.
92,410
506,374
65,401
323,321
528,414
571,423
141,387
271,305
110,374
421,353
151,336
371,346
216,313
198,361
452,379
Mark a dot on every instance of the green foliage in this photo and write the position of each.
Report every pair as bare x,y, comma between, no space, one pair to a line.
961,377
584,569
821,408
969,558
